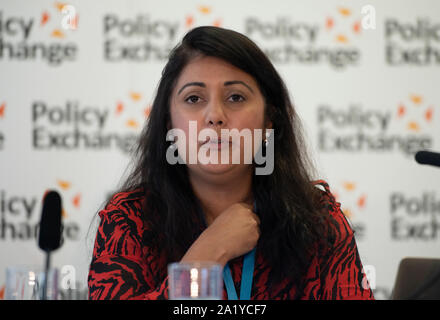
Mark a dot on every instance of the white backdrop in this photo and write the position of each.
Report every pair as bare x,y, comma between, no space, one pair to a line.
363,75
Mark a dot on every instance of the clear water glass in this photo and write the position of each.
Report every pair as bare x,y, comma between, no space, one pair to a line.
195,281
26,283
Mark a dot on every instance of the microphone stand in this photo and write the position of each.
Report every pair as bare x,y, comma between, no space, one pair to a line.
46,275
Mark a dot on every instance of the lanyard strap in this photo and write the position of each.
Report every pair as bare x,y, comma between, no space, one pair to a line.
246,278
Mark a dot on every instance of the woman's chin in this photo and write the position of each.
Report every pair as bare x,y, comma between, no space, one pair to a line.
218,168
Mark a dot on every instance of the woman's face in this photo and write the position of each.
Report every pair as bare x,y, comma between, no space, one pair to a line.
213,94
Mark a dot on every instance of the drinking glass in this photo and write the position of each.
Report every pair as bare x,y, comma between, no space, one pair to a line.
27,282
195,281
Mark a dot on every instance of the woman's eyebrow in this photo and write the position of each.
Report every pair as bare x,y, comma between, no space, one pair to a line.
200,84
227,83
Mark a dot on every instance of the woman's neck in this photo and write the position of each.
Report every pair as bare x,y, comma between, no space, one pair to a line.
215,196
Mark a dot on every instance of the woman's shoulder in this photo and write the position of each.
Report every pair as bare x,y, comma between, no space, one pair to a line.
122,197
329,204
126,203
326,197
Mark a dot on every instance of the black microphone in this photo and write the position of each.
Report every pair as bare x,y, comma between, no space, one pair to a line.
428,157
49,237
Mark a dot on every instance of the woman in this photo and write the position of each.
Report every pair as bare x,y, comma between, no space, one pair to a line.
197,211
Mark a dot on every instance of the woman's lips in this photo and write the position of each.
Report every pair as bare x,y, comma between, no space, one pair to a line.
216,143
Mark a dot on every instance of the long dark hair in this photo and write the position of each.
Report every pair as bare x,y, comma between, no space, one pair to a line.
287,202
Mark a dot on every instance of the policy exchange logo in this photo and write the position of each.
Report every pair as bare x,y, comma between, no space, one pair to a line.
74,125
204,15
406,126
31,38
59,19
132,110
331,40
415,114
343,26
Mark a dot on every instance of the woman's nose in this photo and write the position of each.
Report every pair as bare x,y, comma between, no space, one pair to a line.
215,114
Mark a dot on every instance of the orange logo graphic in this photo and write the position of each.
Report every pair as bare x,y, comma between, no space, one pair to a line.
343,25
203,16
74,199
2,110
415,112
351,199
56,15
124,110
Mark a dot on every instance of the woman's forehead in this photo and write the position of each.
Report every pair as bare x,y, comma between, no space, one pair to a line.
212,70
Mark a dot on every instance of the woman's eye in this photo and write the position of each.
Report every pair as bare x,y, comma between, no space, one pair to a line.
233,98
192,99
236,98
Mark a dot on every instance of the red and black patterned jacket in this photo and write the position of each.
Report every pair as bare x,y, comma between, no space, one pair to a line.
123,268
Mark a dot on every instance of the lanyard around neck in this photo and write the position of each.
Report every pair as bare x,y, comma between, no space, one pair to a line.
246,278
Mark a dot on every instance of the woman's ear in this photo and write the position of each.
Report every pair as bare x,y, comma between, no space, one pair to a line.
268,117
267,126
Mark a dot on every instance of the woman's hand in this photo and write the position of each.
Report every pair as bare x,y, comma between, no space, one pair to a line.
233,233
